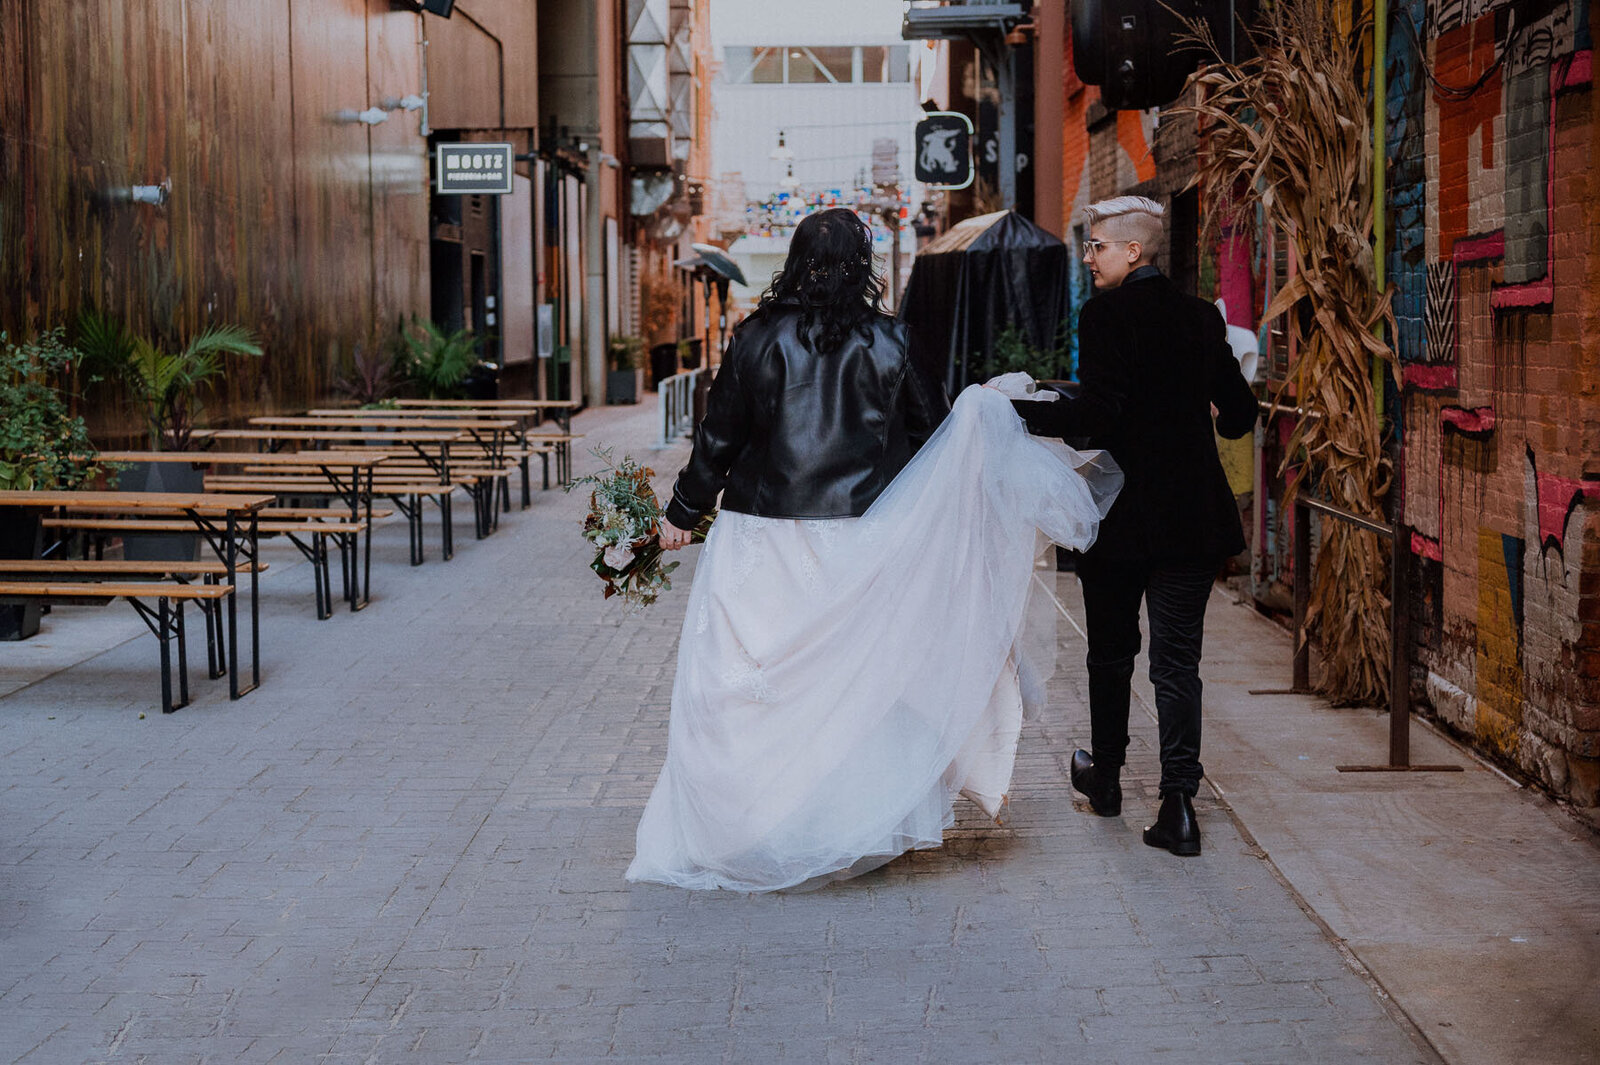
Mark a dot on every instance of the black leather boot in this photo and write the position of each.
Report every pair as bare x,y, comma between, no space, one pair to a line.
1175,829
1102,787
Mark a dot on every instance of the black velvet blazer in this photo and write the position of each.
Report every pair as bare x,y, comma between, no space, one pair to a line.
791,433
1152,361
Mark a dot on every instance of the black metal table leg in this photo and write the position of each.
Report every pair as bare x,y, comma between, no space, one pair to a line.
366,565
232,561
183,654
255,604
166,656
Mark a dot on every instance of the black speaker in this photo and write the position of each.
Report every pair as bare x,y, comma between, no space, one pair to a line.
442,8
1131,48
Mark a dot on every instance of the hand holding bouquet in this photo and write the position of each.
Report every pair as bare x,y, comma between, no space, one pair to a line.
624,523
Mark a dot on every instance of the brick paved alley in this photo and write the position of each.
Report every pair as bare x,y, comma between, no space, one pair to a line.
408,845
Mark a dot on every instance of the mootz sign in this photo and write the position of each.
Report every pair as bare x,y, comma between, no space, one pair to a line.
473,169
944,150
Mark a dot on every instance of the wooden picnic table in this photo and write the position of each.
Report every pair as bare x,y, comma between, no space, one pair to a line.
331,463
561,408
504,404
330,436
487,433
430,445
522,434
203,508
387,420
414,439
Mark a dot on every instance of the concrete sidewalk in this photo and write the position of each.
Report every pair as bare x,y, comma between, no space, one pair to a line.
1470,899
408,845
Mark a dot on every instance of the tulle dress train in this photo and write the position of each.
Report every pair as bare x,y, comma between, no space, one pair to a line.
840,682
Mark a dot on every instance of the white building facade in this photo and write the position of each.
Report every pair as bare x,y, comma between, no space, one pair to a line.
808,97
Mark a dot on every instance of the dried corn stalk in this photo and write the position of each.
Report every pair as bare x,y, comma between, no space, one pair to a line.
1288,131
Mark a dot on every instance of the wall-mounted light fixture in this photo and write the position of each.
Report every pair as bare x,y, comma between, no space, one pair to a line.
411,102
153,195
371,116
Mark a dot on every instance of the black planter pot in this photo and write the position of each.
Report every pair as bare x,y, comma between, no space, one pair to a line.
21,536
622,386
161,477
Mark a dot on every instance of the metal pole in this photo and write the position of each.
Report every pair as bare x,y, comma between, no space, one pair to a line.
1399,650
1006,79
594,290
1302,594
1380,91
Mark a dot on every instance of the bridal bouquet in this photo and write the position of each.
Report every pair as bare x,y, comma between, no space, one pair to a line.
623,523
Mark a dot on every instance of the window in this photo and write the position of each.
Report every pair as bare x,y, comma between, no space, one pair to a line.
838,62
880,63
804,69
768,66
743,65
817,64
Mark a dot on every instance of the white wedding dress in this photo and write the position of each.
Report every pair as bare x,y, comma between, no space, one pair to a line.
840,682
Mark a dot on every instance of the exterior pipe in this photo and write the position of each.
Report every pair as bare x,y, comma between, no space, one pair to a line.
1380,121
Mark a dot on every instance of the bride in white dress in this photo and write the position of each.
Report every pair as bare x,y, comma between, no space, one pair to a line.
842,679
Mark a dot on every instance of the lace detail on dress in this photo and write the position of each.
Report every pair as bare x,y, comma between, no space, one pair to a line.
747,544
746,678
702,619
810,572
828,532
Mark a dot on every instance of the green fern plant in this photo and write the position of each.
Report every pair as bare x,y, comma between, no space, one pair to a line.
436,361
165,384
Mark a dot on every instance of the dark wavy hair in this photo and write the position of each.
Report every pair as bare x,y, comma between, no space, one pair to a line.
829,275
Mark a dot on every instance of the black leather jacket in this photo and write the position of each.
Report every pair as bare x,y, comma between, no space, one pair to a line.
789,433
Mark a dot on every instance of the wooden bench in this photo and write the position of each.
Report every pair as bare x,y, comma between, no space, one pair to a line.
319,530
486,481
94,569
165,619
527,440
480,472
404,486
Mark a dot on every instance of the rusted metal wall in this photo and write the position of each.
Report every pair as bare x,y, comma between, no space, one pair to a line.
284,217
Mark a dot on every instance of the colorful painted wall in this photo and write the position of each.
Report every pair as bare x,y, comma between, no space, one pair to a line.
1493,212
1492,142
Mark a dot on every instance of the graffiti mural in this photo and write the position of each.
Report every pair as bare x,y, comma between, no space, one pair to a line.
1500,482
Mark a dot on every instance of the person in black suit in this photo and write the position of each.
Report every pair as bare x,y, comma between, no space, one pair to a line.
1156,374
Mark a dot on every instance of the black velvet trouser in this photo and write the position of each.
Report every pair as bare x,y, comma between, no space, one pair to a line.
1175,597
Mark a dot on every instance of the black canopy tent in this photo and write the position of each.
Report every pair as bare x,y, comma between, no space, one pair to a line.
972,282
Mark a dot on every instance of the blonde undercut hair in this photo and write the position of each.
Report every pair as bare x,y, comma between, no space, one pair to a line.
1132,218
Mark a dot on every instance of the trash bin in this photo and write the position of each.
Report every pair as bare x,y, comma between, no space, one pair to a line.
482,381
663,363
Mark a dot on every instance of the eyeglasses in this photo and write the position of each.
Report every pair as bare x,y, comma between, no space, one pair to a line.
1093,247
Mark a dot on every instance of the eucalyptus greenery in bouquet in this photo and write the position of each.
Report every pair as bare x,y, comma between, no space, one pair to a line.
624,525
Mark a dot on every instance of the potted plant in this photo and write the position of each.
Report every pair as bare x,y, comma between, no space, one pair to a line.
165,384
624,369
371,379
166,387
1014,352
438,363
42,447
